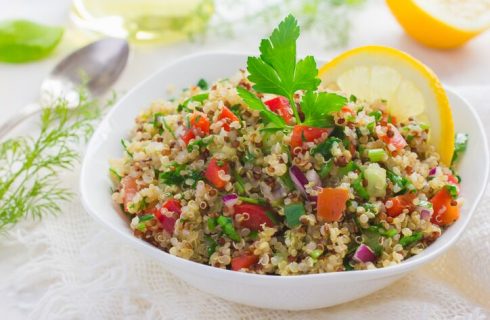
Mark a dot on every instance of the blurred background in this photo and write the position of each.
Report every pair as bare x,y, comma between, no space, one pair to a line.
163,30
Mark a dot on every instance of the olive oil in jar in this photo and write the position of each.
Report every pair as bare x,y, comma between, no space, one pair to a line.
163,21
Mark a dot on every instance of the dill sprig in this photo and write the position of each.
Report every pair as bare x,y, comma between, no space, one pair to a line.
30,167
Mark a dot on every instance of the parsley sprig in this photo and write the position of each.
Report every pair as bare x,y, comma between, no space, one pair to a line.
277,71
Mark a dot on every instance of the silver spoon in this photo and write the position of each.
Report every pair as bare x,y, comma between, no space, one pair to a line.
99,64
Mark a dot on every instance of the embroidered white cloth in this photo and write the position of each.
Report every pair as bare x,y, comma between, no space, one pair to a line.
69,267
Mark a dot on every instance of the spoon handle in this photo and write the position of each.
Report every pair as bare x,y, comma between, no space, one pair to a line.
12,122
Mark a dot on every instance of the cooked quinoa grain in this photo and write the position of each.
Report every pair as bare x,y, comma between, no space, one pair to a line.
204,178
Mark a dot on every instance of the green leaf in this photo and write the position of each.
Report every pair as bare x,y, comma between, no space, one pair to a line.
293,212
203,84
325,147
23,41
276,70
253,102
317,108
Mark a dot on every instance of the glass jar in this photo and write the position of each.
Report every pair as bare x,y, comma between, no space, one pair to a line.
144,20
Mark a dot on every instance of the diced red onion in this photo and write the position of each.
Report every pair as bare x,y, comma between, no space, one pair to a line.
425,214
364,254
298,178
432,171
230,200
313,176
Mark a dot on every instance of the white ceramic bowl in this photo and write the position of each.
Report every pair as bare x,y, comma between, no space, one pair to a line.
293,292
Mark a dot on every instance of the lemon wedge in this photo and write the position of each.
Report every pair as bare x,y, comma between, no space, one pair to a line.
442,23
410,88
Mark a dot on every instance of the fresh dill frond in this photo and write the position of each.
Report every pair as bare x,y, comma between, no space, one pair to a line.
30,167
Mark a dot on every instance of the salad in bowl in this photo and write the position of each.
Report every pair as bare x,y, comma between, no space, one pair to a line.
273,183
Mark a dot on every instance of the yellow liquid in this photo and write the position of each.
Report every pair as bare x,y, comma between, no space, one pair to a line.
144,20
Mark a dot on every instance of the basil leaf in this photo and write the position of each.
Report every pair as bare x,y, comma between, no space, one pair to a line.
23,41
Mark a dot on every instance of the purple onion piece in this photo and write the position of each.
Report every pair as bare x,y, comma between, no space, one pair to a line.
425,214
313,176
432,171
230,200
299,179
364,254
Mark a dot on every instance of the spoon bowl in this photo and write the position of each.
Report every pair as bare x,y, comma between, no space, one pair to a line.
97,65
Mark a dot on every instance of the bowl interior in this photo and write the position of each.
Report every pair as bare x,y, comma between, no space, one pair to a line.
105,144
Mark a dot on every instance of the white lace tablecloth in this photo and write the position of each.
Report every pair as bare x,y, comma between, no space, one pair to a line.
69,267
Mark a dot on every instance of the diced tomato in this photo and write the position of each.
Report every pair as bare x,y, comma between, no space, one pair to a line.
199,126
188,136
168,223
446,211
256,216
228,118
129,188
331,204
212,173
309,134
387,118
394,139
453,180
245,261
173,205
200,121
346,109
396,205
280,105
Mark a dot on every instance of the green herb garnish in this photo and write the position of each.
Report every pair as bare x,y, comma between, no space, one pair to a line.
30,167
277,71
325,147
197,98
258,201
227,225
409,240
325,170
203,84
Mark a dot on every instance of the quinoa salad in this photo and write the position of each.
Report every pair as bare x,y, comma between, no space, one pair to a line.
238,175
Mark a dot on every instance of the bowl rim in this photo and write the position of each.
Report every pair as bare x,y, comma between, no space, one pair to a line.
214,272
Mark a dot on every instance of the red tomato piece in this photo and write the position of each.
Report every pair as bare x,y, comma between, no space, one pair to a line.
188,136
168,223
346,109
396,205
200,121
199,126
256,216
280,105
245,261
309,134
130,188
212,173
452,180
392,137
228,118
446,211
